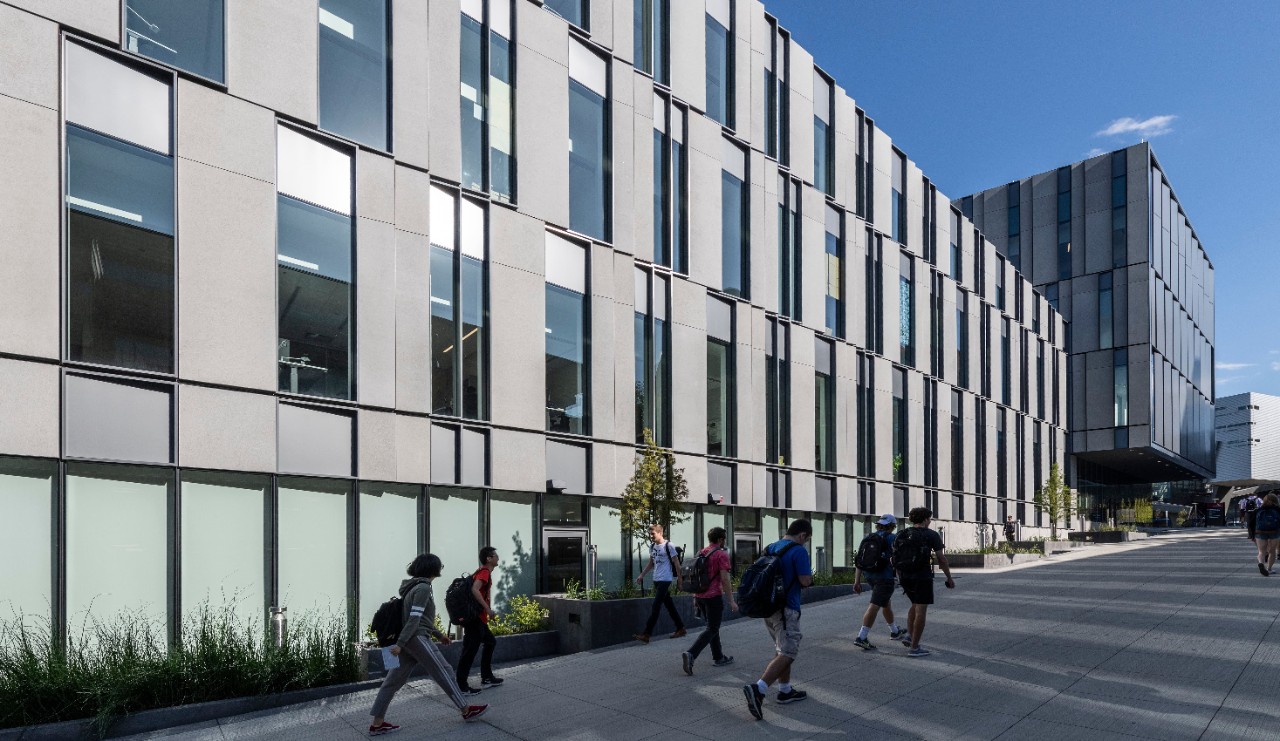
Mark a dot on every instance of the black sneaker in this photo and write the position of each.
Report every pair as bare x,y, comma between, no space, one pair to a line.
794,695
754,698
863,644
490,682
686,660
468,691
1262,569
727,660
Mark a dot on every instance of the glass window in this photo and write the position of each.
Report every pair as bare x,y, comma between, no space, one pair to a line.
962,338
835,273
957,265
512,528
458,301
187,35
898,202
1105,323
720,61
120,253
223,554
790,252
606,536
27,489
454,518
574,11
1121,363
1064,223
485,110
777,392
734,212
824,414
390,522
117,542
957,442
314,255
823,134
471,105
652,18
567,344
652,359
117,100
906,309
901,443
721,386
312,545
354,70
588,143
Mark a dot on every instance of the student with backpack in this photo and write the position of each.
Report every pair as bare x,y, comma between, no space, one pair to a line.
707,576
912,555
664,562
413,646
1267,534
874,563
1250,505
477,631
770,588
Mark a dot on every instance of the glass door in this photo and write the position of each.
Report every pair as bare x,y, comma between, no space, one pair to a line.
746,549
565,558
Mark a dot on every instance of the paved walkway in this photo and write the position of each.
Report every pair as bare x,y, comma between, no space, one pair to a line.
1174,638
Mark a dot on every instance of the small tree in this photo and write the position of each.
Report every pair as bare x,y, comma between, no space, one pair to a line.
1055,500
656,494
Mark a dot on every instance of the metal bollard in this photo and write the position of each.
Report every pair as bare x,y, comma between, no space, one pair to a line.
279,626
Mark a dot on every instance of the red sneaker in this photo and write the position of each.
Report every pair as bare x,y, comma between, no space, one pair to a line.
385,727
471,712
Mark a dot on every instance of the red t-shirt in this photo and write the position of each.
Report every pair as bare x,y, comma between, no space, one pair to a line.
485,579
716,563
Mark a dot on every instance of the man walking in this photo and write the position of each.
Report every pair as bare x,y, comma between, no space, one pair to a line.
911,558
1010,529
784,625
710,601
875,564
477,633
665,566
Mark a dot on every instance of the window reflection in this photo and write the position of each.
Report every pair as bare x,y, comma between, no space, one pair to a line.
187,35
354,70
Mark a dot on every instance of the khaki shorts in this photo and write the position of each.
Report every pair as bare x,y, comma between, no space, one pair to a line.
784,629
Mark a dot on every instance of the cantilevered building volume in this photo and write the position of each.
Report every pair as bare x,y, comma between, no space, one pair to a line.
294,290
1109,244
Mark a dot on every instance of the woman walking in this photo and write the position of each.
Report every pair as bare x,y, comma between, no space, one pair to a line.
1267,533
414,646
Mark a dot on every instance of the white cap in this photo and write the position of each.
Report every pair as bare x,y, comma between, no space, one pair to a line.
887,520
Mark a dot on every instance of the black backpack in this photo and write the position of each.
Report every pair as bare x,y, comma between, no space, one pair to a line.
459,601
1251,504
873,553
1268,520
696,575
763,591
388,621
911,551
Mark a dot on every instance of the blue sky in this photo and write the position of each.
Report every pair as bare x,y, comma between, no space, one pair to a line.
979,93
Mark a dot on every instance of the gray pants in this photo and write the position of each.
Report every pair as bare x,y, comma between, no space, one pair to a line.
424,652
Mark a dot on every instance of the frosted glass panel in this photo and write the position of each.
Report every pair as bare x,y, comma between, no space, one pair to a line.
511,531
455,530
606,535
26,499
683,536
312,171
117,520
388,542
115,99
222,542
313,546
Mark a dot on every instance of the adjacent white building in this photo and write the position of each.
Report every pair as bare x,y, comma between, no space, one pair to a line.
1248,429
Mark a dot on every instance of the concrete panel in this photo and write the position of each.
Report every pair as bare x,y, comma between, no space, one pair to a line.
813,234
569,465
704,216
542,140
517,311
1044,249
279,36
410,117
641,183
1084,316
623,41
30,71
603,349
226,262
882,159
375,446
375,186
30,206
412,449
412,200
689,53
375,313
748,393
601,13
412,322
801,83
625,164
117,421
802,398
313,440
226,132
226,430
444,74
689,426
1097,241
30,422
802,491
846,149
97,17
745,70
519,460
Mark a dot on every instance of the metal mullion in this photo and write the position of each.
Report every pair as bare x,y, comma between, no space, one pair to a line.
271,542
353,559
58,592
456,276
174,560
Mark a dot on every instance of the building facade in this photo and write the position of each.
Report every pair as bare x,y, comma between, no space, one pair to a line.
295,290
1108,243
1248,437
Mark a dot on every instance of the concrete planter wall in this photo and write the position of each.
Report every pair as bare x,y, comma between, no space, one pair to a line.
989,560
1107,536
510,648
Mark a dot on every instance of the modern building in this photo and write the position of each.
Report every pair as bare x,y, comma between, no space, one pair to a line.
1248,438
1108,243
294,290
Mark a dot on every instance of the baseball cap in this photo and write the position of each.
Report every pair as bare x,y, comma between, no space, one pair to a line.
887,520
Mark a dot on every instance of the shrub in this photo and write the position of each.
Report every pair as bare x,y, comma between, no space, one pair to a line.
522,615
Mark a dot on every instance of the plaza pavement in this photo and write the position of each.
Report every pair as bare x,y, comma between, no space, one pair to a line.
1172,638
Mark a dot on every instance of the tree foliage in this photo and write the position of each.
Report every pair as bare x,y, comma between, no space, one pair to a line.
1055,500
656,493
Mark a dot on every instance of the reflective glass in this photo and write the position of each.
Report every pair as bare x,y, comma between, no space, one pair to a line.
661,197
574,11
661,383
733,269
116,99
606,535
312,521
27,489
443,333
835,286
718,72
566,361
644,407
720,434
223,548
474,361
513,531
119,182
454,516
501,115
389,524
588,204
822,156
679,234
824,422
187,35
314,293
472,103
354,70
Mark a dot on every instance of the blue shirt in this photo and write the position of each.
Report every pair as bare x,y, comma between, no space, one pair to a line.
887,573
795,564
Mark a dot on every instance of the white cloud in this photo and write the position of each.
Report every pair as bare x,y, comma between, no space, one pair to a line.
1154,126
1235,366
1221,381
1275,366
1094,152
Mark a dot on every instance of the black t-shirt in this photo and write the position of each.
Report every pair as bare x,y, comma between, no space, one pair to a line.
930,537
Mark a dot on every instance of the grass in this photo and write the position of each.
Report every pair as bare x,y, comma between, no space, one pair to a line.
123,665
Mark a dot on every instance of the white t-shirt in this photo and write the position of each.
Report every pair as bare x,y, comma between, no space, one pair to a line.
662,556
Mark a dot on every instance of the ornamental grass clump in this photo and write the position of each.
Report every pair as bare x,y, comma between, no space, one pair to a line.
109,668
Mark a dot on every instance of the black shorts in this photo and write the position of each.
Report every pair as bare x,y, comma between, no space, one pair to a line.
918,587
881,591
